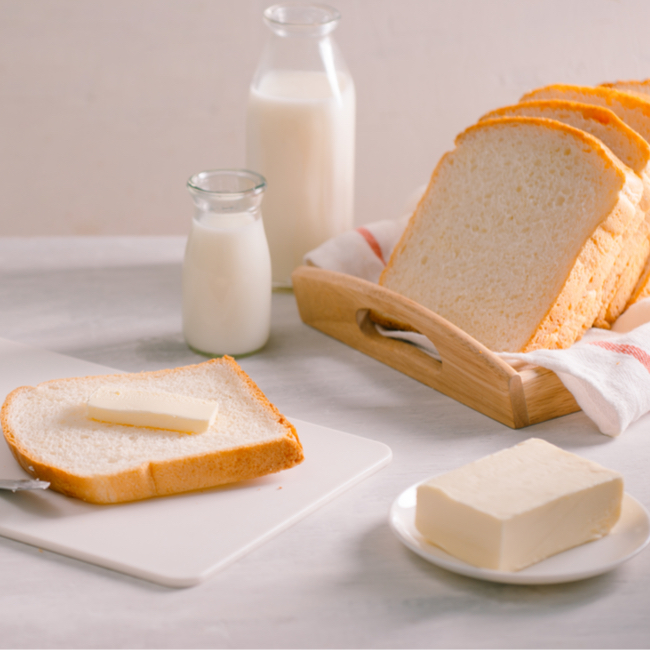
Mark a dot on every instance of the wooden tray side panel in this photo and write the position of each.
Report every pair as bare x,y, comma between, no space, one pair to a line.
338,305
546,396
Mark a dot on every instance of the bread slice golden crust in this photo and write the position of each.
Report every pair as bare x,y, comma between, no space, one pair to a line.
634,110
599,121
159,476
634,87
577,301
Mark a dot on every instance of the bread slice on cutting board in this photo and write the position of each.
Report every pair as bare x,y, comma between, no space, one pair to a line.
52,437
633,151
518,228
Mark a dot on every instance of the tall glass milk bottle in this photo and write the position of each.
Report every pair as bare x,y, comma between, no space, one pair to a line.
227,266
300,133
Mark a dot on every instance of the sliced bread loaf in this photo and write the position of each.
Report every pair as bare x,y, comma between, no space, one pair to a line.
633,151
52,437
516,232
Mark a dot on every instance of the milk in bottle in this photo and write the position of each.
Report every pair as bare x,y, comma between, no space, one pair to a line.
227,267
300,134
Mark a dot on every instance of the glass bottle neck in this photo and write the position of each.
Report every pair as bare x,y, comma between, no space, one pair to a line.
227,191
300,44
301,20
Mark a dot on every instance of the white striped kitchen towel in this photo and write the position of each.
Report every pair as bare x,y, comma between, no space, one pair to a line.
608,372
362,252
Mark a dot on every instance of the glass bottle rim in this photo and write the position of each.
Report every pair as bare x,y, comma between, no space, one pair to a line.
227,183
301,17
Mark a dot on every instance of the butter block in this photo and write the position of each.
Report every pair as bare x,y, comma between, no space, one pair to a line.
518,506
158,410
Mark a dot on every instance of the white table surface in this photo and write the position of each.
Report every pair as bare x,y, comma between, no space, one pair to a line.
338,578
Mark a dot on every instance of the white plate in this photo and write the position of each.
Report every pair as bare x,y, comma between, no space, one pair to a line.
630,535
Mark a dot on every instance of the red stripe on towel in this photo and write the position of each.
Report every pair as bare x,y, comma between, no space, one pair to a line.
372,242
640,355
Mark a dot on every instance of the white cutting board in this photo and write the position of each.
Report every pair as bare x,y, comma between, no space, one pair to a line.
176,541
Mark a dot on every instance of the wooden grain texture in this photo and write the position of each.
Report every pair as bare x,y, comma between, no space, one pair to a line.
339,305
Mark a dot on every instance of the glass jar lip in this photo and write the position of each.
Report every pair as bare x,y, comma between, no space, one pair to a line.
302,16
230,183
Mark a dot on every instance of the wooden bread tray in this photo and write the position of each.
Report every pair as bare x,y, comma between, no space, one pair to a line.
339,305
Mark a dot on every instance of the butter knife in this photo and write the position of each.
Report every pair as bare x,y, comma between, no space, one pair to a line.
23,484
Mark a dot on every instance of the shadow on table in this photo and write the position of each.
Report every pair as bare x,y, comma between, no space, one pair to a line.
417,590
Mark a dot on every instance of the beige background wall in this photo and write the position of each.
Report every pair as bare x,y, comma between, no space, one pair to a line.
107,106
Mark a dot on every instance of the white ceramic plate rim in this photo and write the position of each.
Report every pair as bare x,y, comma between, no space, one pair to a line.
630,535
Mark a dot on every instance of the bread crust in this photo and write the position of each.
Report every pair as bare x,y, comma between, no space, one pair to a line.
615,100
161,478
634,87
642,287
638,159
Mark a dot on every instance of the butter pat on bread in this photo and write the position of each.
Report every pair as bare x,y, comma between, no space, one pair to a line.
154,409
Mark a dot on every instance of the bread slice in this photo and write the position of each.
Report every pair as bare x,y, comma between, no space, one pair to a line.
52,438
633,151
629,102
516,232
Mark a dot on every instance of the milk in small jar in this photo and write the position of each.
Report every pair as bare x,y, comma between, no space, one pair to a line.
227,266
300,133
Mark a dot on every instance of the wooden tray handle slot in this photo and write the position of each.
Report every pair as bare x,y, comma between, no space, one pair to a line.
338,305
369,329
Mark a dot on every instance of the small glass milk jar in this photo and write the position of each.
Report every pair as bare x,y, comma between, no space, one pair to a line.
300,133
227,266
